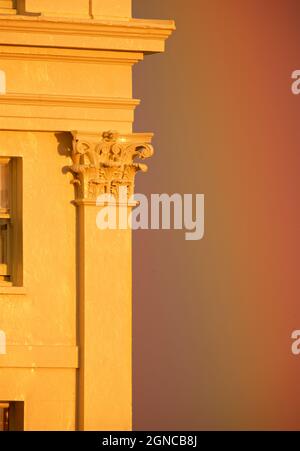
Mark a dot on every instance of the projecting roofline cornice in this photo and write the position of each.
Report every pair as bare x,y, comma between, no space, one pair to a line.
130,35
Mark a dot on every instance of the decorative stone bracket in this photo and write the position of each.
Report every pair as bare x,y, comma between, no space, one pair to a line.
104,163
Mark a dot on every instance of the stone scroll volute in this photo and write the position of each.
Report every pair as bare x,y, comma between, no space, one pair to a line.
101,164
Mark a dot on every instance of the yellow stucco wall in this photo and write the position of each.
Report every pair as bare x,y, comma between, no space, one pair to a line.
44,317
49,396
80,8
47,311
70,89
63,78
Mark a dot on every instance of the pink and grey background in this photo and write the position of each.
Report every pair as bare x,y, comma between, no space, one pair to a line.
213,318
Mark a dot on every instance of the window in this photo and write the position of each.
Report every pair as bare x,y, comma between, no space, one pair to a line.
11,416
5,218
4,413
10,222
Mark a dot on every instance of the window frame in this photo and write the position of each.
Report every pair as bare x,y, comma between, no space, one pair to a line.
5,222
11,270
12,416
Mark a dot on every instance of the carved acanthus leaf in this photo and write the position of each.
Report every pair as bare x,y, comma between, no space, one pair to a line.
102,166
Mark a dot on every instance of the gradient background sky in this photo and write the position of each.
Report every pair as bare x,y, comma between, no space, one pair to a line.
213,318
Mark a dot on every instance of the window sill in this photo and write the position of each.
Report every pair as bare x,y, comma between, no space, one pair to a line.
12,290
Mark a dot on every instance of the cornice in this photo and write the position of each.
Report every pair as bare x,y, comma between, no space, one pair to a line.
8,52
45,112
68,101
133,34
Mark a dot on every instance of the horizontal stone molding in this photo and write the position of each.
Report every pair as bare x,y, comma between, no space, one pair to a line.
133,34
69,55
69,101
22,356
65,113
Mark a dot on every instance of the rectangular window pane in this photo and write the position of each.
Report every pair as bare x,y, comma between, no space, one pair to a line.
5,218
11,270
4,186
3,241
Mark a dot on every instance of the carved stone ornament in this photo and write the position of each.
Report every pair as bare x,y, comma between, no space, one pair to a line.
104,163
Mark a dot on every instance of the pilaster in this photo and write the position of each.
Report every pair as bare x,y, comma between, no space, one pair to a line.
102,163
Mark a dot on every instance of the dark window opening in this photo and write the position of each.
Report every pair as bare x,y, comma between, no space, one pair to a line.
11,416
11,271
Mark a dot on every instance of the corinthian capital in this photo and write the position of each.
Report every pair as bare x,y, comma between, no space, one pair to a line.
104,163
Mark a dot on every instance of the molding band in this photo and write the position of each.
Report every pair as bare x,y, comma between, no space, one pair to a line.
20,356
131,35
69,101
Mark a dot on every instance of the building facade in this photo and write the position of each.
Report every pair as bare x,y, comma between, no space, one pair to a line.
66,136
